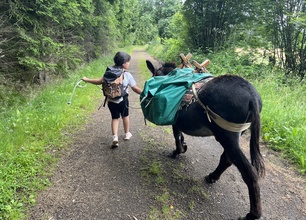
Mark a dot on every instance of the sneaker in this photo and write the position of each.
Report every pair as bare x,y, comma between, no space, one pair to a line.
128,136
115,141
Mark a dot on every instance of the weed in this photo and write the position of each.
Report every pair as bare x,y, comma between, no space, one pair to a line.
191,205
174,177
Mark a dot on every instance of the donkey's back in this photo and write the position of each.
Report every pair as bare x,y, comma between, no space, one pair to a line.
229,96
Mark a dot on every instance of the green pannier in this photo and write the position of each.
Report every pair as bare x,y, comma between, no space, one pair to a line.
162,95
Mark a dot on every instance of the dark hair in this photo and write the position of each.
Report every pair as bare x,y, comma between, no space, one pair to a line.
120,58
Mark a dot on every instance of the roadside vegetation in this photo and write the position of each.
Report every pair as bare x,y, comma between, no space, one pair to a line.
33,132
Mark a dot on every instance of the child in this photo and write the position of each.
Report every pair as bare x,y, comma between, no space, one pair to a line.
120,107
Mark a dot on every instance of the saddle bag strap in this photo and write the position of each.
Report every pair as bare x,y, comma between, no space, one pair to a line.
226,125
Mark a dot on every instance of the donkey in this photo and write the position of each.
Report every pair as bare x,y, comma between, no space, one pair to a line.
225,106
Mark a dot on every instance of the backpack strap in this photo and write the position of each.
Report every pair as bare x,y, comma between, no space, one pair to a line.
126,85
104,101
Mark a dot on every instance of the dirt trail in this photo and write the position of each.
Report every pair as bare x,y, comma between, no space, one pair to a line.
139,181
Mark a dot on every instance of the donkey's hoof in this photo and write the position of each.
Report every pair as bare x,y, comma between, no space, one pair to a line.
249,216
174,154
185,147
209,180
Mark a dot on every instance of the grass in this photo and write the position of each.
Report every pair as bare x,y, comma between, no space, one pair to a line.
145,73
283,119
33,131
153,171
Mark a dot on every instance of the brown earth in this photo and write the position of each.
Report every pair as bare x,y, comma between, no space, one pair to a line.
139,181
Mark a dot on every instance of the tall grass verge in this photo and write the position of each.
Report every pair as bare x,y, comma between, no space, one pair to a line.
33,131
283,117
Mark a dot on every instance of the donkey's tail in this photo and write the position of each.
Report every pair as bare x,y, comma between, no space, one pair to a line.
256,157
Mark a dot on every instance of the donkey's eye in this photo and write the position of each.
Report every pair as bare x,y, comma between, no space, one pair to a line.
159,72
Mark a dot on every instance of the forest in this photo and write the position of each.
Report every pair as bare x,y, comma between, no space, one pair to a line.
44,38
43,42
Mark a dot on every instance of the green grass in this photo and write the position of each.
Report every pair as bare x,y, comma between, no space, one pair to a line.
34,130
145,73
283,118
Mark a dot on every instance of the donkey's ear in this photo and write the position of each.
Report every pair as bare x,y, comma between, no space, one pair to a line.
150,66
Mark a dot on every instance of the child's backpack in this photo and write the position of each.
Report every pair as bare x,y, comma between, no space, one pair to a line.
112,83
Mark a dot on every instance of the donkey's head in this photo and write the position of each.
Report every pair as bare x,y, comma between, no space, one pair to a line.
163,70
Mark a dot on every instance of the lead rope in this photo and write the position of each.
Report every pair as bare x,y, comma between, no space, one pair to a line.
145,121
73,91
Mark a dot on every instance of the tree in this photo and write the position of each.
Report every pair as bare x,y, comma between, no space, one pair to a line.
52,37
8,61
145,26
163,12
210,23
288,34
105,34
127,15
42,30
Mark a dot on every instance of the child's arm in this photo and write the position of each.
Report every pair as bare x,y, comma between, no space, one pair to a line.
96,81
136,89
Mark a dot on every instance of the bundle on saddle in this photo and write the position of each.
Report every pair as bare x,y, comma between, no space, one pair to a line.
162,95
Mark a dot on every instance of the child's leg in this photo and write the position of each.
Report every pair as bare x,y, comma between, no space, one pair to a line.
115,126
126,123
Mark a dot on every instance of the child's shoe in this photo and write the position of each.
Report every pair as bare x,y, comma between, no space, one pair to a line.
128,136
115,141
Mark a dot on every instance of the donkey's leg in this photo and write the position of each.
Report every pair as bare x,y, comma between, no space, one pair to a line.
181,146
224,163
250,177
230,143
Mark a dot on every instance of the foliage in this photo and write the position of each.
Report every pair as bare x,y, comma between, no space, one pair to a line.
210,22
283,116
127,17
286,20
103,37
34,131
146,32
42,38
163,12
42,30
173,45
53,37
